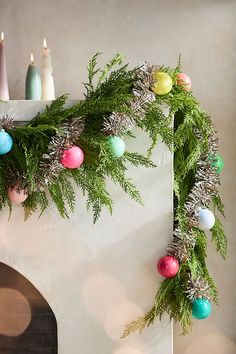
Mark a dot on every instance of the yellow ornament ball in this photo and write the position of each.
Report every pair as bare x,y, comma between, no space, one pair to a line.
163,83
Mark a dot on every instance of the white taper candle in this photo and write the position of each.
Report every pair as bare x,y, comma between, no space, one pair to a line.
48,90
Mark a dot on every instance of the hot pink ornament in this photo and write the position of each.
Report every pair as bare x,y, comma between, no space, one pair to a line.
73,157
185,81
168,266
16,196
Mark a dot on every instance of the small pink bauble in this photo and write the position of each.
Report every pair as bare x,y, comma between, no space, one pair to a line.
16,196
73,157
185,81
168,266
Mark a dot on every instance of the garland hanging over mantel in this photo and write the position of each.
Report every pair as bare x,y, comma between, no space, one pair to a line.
83,144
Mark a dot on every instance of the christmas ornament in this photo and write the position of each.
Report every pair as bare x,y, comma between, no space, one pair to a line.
117,146
73,157
17,195
201,308
184,81
6,142
162,84
206,219
217,163
168,266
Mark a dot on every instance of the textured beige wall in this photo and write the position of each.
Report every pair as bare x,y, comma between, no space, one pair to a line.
203,31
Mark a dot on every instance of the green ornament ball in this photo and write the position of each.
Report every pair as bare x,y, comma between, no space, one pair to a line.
163,83
117,146
218,163
201,308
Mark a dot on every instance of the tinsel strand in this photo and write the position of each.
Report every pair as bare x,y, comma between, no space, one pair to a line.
207,181
7,122
181,245
197,288
120,123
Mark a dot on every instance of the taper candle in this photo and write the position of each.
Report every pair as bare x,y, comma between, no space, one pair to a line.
48,90
33,90
4,93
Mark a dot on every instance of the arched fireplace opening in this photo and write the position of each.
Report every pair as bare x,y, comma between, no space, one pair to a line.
27,323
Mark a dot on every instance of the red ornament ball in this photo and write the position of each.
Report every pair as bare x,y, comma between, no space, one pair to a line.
73,157
168,266
185,81
16,196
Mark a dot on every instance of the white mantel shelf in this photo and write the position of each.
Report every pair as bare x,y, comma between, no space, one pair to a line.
24,110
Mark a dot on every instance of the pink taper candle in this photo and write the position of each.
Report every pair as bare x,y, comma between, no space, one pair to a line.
4,93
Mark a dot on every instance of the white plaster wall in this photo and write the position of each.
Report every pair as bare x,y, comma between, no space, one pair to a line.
204,31
97,277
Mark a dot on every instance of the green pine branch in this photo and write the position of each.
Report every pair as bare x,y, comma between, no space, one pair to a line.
218,238
110,89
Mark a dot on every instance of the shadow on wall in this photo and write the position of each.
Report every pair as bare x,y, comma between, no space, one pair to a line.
27,323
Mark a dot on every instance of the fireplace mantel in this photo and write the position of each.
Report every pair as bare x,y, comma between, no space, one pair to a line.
97,278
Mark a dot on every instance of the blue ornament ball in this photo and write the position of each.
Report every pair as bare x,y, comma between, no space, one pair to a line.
117,146
6,142
206,219
201,308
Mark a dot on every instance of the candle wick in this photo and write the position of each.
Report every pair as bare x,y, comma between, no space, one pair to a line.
32,58
45,44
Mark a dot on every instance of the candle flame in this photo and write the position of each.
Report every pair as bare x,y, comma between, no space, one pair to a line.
2,36
32,58
45,43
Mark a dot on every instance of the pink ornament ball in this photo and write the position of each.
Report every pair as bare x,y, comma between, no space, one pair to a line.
168,266
185,81
16,196
73,157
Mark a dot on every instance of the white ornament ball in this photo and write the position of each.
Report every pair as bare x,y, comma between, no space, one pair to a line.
206,219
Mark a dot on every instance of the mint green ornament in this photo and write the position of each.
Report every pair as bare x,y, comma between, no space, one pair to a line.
218,163
201,308
117,146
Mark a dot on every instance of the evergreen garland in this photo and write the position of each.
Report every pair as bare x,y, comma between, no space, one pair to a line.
116,100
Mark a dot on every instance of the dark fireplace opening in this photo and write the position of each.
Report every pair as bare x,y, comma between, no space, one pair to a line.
27,323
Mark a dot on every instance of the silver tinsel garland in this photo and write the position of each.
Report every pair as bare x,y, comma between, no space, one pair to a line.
204,189
197,288
120,123
117,124
207,181
181,245
6,122
17,180
50,166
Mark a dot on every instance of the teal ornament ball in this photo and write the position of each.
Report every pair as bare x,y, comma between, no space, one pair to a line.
218,163
117,146
6,142
201,308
